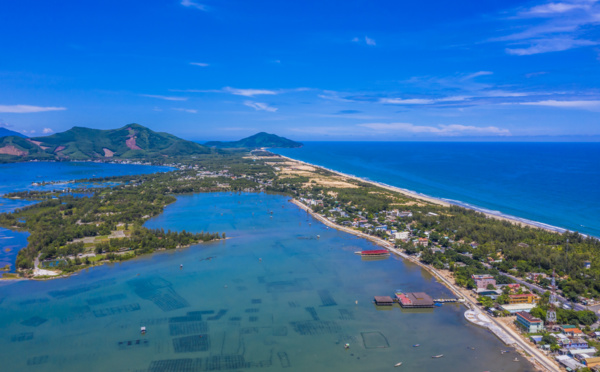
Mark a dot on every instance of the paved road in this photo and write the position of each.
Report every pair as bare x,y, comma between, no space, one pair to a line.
531,286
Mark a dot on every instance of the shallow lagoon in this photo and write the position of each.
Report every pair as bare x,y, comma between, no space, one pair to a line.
272,297
21,176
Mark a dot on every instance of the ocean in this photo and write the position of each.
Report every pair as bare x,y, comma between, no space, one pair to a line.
555,184
283,293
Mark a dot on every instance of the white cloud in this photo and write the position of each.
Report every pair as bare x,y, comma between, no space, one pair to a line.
590,104
193,4
556,26
249,92
47,130
367,40
443,130
25,109
476,74
190,111
258,106
553,9
409,101
550,45
166,98
201,64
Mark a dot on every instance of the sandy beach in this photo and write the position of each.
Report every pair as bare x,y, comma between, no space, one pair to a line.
415,195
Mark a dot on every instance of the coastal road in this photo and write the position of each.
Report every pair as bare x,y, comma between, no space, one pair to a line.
540,358
531,286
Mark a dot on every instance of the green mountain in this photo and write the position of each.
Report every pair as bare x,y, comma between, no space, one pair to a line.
258,140
133,141
7,132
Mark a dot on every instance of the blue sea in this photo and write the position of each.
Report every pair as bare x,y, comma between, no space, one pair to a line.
283,293
22,176
556,184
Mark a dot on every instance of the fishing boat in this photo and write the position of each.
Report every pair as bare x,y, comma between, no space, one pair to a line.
438,356
416,345
374,253
398,364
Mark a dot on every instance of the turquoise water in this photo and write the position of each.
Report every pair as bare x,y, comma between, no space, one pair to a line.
553,183
21,176
271,297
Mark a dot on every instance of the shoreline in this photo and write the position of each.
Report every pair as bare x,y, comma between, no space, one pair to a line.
500,330
519,221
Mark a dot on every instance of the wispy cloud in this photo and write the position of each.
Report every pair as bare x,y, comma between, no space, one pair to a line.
201,64
588,105
552,27
47,130
550,45
190,111
553,9
249,92
259,106
367,40
193,4
409,101
25,109
444,130
166,98
477,74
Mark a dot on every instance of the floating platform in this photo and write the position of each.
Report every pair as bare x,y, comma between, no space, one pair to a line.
374,253
384,301
415,300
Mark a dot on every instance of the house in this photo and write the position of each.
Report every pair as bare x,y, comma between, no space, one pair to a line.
529,323
381,228
592,362
528,298
491,293
576,343
482,281
571,330
405,214
514,287
536,339
587,264
403,235
569,362
423,241
536,276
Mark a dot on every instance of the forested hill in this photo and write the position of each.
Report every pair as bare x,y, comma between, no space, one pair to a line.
7,132
258,140
132,141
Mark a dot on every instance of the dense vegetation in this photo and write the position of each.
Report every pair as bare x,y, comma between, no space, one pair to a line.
258,140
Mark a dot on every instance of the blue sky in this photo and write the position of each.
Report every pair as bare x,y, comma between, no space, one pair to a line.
308,70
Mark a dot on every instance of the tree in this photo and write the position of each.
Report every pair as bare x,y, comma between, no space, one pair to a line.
490,287
486,301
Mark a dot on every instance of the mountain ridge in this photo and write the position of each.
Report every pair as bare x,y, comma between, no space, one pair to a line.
132,141
4,132
259,140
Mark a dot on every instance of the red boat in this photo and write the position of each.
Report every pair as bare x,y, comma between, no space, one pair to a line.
374,253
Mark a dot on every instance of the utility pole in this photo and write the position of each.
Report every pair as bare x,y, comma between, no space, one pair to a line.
551,314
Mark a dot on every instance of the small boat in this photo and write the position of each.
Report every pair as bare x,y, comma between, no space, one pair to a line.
438,356
416,345
398,364
516,360
143,330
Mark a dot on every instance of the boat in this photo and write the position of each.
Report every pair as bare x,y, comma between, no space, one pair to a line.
143,330
416,345
374,253
438,356
398,364
516,360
